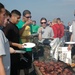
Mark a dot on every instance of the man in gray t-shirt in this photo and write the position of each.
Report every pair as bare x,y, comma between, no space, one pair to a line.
4,52
45,31
4,47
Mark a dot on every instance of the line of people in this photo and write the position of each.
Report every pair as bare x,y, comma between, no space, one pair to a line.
17,32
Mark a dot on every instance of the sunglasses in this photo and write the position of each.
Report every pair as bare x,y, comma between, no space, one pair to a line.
8,20
28,16
43,22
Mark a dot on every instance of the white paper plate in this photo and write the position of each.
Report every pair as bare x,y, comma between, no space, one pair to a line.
69,42
29,45
19,51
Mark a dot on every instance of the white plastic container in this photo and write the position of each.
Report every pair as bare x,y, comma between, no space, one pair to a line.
65,55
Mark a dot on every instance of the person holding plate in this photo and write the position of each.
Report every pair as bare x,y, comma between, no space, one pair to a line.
12,33
72,39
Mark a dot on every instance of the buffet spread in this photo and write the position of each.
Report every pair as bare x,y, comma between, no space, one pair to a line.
53,68
56,60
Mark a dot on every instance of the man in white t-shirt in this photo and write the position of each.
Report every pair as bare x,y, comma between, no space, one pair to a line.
72,39
70,29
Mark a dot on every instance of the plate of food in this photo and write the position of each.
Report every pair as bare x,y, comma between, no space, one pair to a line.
28,45
69,42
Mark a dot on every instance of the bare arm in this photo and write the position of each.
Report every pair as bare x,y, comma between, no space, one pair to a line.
12,50
40,36
70,46
40,33
2,71
16,45
71,37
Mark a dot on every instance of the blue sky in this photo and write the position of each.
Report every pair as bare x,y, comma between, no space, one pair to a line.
44,8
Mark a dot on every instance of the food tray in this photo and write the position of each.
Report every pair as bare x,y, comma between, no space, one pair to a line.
37,70
65,67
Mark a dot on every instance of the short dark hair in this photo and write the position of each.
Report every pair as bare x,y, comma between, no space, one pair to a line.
58,19
26,12
34,21
43,18
7,13
16,12
1,6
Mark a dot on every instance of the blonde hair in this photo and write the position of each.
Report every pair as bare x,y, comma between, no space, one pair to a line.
55,20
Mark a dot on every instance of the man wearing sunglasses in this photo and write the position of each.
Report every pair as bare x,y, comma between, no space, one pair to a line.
24,26
45,31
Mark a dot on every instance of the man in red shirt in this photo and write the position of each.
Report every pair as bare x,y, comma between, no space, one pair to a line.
61,28
56,28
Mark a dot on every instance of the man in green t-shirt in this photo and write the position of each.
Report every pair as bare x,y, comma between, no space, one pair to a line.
24,27
25,31
34,27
